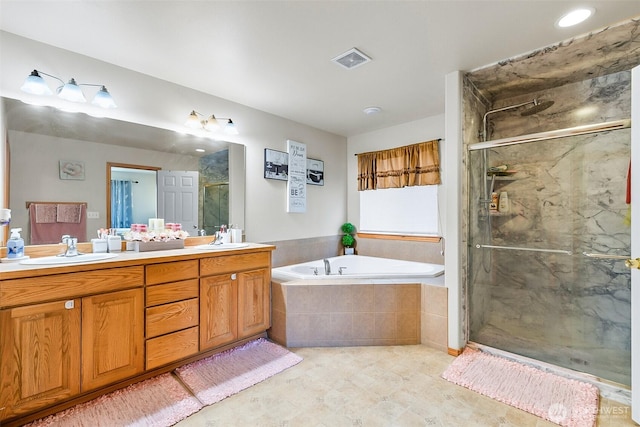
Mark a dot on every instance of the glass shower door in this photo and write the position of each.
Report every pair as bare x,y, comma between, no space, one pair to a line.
215,207
547,278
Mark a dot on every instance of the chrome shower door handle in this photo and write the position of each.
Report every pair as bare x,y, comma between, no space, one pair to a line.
633,263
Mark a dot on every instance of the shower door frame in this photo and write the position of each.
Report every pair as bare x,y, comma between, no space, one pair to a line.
635,245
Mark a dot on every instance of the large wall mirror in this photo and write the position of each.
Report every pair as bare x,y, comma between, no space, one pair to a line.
58,156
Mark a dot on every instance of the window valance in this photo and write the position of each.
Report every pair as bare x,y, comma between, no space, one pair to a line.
417,164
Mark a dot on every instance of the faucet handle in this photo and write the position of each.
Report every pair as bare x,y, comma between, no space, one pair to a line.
65,238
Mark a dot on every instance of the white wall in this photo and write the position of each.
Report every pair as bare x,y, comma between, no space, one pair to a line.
426,129
146,100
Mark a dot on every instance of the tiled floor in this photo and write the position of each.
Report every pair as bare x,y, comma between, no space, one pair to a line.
372,386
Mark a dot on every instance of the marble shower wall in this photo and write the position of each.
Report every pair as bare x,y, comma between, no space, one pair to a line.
569,310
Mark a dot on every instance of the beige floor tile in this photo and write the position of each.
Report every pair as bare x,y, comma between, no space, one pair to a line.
396,386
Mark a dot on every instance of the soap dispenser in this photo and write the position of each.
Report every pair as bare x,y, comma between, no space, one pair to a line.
15,245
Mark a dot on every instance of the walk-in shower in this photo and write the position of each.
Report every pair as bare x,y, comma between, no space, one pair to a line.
546,277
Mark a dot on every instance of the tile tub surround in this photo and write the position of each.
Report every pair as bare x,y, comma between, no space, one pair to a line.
296,251
338,313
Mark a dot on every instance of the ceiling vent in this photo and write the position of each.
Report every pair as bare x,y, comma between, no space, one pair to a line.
351,59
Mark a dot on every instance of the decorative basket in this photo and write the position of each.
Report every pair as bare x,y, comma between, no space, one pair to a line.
157,246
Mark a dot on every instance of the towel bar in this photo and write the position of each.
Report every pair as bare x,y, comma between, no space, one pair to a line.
513,248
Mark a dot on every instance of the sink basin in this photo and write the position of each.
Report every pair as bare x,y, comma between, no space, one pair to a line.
56,260
222,246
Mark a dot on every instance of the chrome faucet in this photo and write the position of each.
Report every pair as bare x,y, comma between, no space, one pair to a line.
217,239
72,245
327,267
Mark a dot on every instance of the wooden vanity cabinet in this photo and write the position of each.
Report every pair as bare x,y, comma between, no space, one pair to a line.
68,334
112,337
218,310
254,302
39,355
171,312
235,300
52,351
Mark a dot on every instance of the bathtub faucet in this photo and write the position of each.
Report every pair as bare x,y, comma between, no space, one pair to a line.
327,267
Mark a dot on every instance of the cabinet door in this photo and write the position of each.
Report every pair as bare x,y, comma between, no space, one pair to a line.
112,337
39,355
254,302
218,311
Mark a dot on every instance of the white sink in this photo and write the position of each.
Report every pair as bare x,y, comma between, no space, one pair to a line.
55,260
222,246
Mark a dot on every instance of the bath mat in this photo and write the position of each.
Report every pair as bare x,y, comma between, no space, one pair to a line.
158,402
222,375
560,400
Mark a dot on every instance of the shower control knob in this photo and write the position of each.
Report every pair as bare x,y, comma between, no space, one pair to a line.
633,263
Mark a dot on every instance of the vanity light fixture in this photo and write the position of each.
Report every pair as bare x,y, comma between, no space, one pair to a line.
70,91
196,121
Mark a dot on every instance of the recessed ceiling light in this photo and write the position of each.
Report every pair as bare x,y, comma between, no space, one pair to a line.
574,17
372,110
200,150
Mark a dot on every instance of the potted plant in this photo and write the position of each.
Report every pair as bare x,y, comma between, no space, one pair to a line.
348,241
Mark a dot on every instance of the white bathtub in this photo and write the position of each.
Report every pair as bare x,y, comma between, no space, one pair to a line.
375,301
358,267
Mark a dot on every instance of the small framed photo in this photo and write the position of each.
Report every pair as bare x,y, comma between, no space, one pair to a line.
315,172
276,164
71,169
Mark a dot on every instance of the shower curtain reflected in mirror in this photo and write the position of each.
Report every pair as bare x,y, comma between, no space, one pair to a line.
121,204
537,284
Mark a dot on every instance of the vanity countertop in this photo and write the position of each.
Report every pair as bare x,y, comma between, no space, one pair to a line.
15,270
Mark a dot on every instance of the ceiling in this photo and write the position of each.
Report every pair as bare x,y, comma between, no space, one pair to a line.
275,56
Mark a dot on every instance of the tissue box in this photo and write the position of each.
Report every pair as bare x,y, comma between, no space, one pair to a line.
158,246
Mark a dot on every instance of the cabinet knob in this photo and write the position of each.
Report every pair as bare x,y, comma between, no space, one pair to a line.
69,304
234,276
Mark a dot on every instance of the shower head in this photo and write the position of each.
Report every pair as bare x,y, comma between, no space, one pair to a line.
537,106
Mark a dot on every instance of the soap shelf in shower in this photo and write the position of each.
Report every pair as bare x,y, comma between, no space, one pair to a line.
501,176
498,174
503,213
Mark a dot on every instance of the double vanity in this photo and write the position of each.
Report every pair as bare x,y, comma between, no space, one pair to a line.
74,330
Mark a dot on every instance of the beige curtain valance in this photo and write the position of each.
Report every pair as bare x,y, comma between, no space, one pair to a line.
417,164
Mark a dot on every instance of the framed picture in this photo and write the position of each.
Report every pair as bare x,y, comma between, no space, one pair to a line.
276,164
315,172
71,169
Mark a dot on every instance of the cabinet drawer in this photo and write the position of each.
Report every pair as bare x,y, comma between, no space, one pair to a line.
170,292
234,263
171,271
171,317
172,347
70,285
